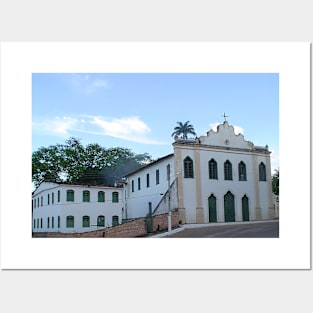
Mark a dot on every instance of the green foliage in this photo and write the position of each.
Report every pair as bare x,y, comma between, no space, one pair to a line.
93,164
275,182
184,129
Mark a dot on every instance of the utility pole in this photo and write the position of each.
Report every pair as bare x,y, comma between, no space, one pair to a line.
169,217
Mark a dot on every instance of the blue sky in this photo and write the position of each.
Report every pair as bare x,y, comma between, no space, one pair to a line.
139,110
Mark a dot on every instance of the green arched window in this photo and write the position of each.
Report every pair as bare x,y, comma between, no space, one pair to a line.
115,220
101,197
86,196
115,197
188,167
100,221
228,171
212,169
242,173
262,172
70,221
70,195
86,221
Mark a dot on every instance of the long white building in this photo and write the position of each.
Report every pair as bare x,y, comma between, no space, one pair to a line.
219,177
75,208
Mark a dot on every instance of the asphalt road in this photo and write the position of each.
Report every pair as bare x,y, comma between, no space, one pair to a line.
268,229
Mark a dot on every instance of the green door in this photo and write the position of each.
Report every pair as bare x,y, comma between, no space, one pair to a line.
245,208
229,207
212,209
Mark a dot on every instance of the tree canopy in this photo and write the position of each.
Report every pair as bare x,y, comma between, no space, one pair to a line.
73,163
275,182
183,129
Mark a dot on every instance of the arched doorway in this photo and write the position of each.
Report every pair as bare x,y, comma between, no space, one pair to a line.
212,209
229,207
245,208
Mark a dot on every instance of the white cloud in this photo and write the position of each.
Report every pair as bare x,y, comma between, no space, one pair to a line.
237,129
58,126
128,128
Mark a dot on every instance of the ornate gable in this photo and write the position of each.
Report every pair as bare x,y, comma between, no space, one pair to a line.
225,137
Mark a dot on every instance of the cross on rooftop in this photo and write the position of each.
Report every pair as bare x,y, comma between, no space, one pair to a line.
225,116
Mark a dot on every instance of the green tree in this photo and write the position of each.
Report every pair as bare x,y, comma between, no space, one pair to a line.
275,182
93,164
183,129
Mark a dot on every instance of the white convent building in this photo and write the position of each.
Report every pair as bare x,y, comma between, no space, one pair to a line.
219,177
69,208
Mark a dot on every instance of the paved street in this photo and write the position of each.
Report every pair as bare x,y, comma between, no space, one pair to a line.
268,229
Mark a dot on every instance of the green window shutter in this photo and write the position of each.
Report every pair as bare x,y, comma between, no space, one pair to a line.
100,221
86,221
52,222
59,196
228,172
242,171
86,196
157,177
262,172
212,169
59,221
115,197
52,198
115,220
101,196
188,168
70,195
70,221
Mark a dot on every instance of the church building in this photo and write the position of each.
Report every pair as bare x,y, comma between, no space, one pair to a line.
219,177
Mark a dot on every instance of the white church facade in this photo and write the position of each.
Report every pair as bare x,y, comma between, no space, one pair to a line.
219,177
69,208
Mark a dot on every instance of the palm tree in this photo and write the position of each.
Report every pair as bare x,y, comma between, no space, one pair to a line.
184,130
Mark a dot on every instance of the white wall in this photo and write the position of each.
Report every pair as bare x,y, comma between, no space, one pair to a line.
235,149
78,208
137,201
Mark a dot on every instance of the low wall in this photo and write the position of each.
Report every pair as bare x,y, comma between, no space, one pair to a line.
131,229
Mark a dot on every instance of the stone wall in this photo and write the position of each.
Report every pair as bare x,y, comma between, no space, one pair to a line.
131,229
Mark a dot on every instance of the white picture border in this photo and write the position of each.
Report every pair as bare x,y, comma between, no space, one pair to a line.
290,251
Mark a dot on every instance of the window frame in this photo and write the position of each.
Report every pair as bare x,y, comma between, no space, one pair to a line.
213,174
228,170
86,196
103,220
157,177
86,221
70,218
101,196
188,167
70,195
242,171
115,197
262,172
